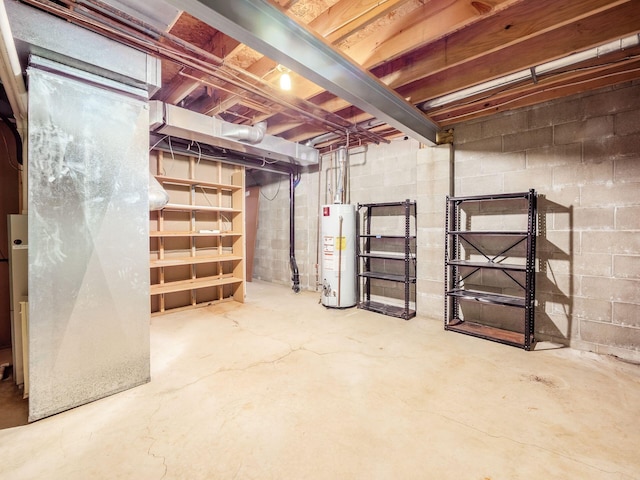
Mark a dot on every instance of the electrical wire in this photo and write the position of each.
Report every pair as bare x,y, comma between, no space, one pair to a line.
260,185
6,146
274,197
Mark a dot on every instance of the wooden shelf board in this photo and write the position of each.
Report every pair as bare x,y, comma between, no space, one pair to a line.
197,183
192,284
202,208
176,261
487,332
191,306
170,233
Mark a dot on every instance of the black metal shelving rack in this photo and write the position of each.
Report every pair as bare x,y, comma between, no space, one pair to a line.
454,279
365,256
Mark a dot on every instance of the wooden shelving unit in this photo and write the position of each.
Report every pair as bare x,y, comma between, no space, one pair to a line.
196,241
491,267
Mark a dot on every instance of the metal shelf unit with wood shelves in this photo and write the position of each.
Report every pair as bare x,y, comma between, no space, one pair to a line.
386,260
489,268
197,239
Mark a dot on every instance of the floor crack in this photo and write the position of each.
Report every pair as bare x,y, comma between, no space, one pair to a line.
526,444
164,459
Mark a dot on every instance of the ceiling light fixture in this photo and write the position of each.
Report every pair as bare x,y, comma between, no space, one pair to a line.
285,78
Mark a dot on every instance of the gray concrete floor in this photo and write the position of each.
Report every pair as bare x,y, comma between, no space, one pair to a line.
282,388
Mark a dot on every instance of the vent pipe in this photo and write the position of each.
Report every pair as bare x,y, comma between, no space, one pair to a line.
245,133
158,196
341,172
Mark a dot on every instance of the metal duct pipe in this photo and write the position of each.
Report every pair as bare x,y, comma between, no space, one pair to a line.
158,196
245,133
295,275
341,185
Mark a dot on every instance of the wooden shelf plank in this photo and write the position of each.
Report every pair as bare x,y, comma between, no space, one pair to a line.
201,208
176,261
193,234
197,183
191,307
487,332
192,284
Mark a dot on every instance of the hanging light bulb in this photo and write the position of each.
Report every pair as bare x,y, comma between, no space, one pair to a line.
285,81
285,78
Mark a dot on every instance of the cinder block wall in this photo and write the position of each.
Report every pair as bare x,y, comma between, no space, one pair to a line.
582,155
271,260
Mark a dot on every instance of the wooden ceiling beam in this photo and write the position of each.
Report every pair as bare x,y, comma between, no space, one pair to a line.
487,36
605,26
429,22
347,17
342,16
549,89
181,86
222,46
434,20
443,67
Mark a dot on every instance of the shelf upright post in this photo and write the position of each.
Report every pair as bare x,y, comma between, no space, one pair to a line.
455,253
531,268
407,234
367,265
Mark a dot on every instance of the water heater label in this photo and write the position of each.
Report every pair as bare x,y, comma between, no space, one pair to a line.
327,252
341,243
326,211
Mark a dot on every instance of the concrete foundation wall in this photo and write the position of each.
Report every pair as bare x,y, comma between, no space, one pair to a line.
582,155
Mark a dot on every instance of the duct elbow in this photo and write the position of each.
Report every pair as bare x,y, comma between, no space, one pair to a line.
158,196
245,133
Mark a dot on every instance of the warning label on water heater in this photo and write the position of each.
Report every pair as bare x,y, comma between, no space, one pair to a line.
332,248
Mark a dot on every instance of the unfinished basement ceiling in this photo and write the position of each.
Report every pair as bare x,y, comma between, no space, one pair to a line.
447,61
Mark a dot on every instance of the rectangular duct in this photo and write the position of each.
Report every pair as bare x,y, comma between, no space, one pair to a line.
179,122
88,238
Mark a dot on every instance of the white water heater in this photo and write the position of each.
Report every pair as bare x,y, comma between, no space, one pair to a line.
339,255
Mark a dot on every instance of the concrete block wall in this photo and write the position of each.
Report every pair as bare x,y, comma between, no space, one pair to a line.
582,155
378,173
271,260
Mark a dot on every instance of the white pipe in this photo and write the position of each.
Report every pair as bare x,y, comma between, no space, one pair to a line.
542,69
